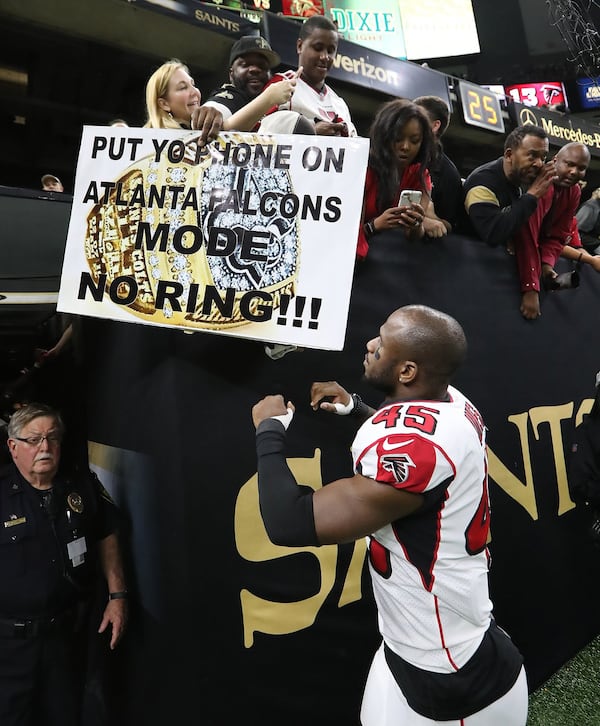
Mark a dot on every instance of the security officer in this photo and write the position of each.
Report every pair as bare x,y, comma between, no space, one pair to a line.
55,531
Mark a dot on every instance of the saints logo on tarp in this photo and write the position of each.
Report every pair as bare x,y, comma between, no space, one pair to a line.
207,241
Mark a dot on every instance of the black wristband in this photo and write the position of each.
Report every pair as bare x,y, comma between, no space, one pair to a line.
360,407
122,595
369,228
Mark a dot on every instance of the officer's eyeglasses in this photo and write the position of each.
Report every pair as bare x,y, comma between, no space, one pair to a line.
51,438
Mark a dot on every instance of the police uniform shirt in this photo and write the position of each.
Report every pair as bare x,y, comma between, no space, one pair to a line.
48,542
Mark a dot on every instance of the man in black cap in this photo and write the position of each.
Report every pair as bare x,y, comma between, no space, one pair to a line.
250,62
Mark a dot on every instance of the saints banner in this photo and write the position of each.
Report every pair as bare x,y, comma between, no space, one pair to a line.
252,235
238,630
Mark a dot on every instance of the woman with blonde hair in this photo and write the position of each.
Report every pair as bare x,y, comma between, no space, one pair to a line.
171,96
173,102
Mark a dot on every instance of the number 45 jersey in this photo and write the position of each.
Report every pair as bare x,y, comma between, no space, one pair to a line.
430,569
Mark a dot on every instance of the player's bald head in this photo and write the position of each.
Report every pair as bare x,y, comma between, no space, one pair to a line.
572,161
573,148
432,339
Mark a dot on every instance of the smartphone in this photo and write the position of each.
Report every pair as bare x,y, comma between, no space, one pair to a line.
409,195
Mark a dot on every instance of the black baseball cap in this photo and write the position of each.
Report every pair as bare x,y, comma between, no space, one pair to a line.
254,44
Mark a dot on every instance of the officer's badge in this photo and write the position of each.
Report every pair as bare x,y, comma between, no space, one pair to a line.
75,502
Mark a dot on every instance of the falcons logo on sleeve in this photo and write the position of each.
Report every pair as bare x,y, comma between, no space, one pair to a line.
397,464
406,462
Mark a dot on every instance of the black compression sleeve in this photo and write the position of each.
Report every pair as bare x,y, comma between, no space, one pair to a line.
286,507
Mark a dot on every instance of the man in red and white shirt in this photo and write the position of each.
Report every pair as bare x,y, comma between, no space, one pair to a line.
419,492
317,47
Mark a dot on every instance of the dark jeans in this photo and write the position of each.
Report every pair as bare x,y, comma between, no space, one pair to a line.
40,680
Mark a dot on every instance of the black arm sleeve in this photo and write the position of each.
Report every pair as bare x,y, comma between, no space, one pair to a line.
496,226
286,507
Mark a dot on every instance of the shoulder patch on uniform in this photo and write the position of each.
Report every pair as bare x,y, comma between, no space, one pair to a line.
405,461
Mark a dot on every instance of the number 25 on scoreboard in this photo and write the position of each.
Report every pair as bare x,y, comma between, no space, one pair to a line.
475,108
481,108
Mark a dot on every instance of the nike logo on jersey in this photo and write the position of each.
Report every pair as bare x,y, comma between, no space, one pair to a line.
387,445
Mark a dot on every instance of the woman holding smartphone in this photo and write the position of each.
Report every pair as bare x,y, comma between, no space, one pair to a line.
401,149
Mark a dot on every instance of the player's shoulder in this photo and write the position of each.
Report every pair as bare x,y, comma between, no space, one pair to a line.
226,92
465,414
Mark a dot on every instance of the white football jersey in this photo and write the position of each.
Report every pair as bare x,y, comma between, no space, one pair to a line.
430,569
325,105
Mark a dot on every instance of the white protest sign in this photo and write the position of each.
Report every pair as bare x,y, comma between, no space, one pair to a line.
252,236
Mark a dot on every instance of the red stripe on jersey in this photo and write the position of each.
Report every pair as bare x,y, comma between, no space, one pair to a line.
441,629
380,559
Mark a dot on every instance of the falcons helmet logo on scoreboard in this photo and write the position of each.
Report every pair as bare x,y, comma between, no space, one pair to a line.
551,91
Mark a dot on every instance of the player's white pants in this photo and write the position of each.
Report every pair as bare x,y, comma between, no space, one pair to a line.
384,704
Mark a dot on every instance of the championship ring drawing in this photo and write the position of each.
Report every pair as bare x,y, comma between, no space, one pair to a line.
208,241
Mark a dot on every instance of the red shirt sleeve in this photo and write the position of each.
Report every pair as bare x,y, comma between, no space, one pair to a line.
575,240
560,218
369,211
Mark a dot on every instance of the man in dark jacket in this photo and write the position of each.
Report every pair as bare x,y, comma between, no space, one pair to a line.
250,62
57,530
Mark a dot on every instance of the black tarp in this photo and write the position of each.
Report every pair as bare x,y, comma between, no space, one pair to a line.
176,409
